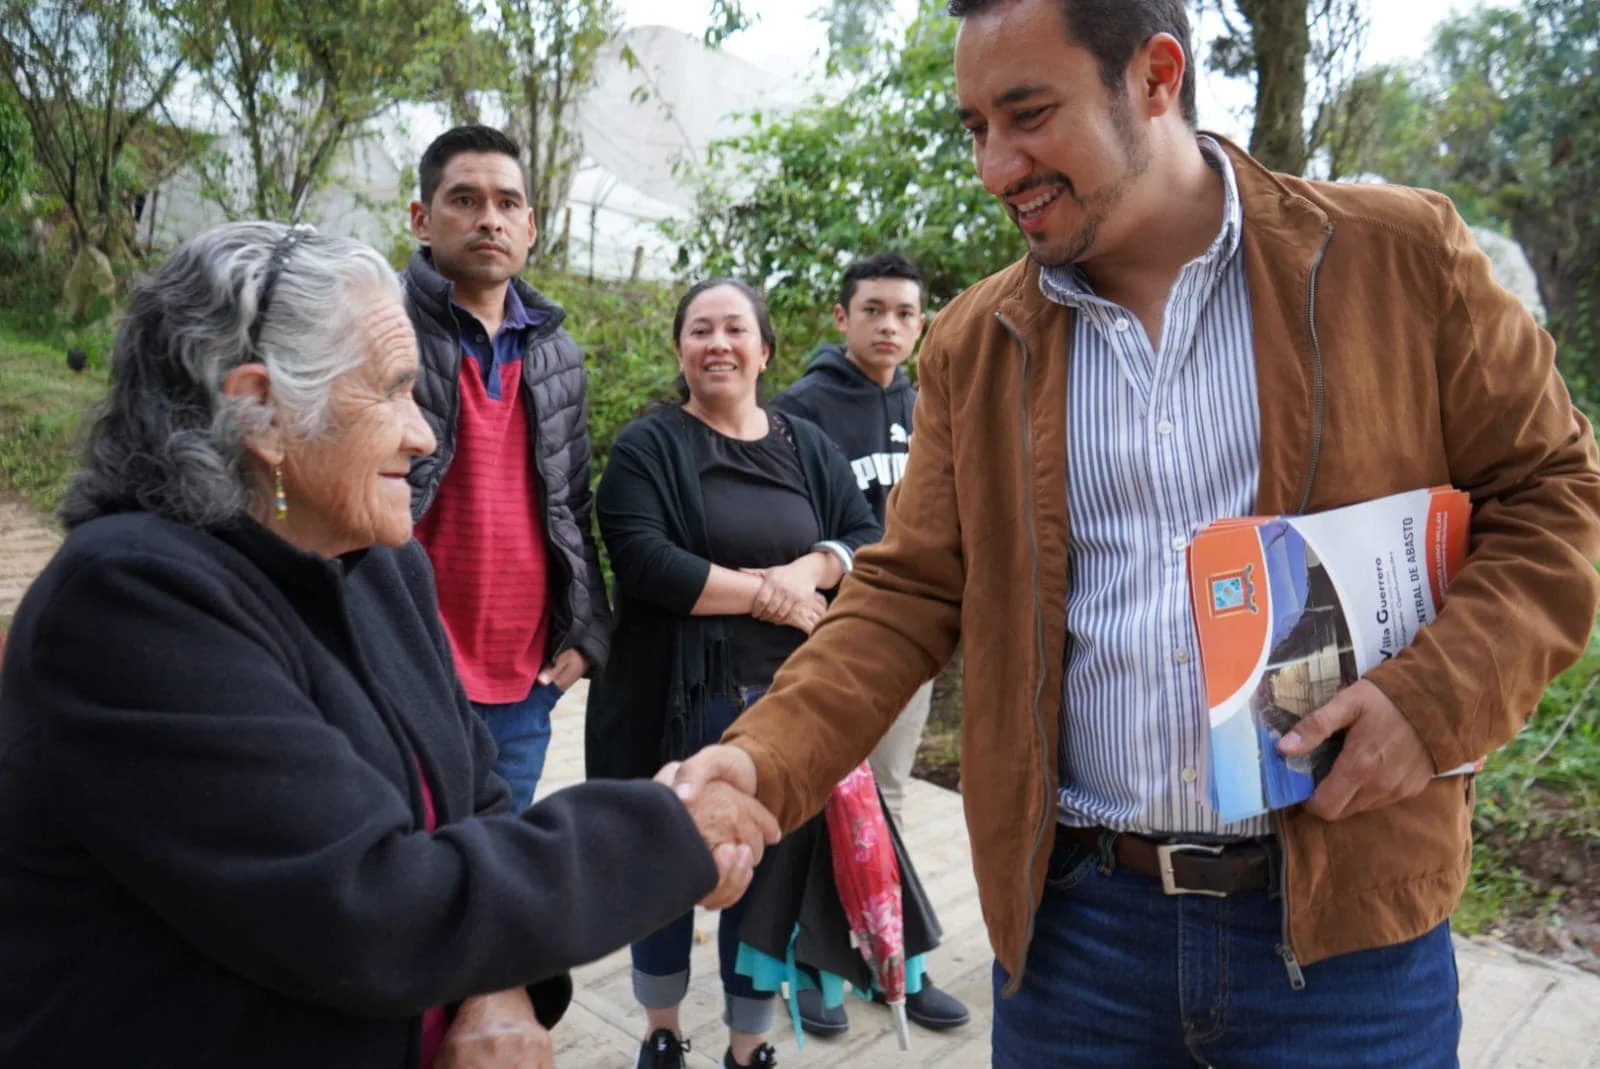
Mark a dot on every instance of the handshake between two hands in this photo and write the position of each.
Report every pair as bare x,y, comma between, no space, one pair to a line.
717,786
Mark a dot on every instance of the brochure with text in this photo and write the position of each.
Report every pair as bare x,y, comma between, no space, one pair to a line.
1289,609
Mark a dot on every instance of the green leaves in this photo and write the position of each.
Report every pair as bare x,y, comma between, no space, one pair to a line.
727,18
87,76
16,148
297,79
1505,118
878,163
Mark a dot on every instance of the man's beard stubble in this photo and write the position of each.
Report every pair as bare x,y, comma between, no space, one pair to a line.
1097,204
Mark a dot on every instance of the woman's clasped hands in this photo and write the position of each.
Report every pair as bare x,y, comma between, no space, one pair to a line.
789,595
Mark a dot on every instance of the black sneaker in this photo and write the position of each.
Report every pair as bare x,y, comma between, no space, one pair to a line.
765,1057
663,1050
817,1019
932,1008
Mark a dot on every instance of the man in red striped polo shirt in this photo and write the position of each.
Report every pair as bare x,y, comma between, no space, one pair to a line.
503,506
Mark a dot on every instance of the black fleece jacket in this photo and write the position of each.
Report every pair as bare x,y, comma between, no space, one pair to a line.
555,390
212,848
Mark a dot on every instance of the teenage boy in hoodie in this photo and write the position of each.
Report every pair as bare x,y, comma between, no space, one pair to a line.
858,393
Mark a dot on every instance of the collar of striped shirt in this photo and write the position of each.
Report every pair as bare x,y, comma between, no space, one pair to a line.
1068,285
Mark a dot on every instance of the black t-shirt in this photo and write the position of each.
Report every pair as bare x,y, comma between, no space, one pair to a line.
758,515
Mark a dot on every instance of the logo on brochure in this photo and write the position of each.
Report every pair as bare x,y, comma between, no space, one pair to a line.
1233,592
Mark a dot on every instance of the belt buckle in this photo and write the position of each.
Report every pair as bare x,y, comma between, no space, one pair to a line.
1164,852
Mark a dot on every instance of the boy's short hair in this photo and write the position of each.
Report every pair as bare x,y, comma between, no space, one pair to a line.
879,265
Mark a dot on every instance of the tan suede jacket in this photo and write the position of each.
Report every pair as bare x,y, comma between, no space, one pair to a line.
1387,359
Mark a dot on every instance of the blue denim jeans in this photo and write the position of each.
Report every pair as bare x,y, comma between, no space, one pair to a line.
521,733
661,959
1121,974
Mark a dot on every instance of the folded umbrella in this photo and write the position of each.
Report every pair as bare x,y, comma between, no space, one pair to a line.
867,876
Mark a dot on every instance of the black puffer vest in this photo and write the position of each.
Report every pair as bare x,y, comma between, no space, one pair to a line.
553,383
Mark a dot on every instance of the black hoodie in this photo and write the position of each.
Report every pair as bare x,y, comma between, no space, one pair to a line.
872,425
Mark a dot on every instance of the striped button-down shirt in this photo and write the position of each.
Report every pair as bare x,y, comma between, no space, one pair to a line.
1160,440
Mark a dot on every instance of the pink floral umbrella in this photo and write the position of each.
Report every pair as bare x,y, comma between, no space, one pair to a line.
868,879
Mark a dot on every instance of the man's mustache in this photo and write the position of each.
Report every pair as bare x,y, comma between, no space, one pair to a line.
1027,185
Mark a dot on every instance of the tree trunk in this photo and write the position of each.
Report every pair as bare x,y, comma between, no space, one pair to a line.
1281,41
1556,251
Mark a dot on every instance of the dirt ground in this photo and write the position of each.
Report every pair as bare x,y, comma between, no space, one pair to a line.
1563,873
27,540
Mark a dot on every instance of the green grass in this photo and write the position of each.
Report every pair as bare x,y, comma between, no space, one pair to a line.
1538,814
41,406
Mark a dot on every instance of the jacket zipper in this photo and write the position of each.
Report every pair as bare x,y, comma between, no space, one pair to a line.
1291,963
454,386
553,643
1318,379
1015,982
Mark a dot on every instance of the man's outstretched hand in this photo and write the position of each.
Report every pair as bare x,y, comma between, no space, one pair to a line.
714,764
1383,760
736,828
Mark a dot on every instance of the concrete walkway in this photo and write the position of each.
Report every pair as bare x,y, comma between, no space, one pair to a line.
1520,1012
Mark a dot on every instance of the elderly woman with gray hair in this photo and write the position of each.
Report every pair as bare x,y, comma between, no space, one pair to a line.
247,817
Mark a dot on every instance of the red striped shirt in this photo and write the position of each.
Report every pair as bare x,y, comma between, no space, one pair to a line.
485,536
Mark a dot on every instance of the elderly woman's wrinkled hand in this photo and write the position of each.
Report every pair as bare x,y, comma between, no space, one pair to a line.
736,828
498,1031
735,870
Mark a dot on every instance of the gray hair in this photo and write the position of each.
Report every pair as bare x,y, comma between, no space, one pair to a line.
166,439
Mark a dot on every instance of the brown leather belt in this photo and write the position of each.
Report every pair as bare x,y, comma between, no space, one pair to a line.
1217,870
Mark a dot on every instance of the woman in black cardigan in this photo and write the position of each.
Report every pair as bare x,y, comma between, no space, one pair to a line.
725,523
247,817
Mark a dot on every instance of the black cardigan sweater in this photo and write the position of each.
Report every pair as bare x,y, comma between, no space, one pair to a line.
665,663
212,849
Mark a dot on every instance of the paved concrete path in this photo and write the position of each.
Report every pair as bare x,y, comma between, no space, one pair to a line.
1520,1012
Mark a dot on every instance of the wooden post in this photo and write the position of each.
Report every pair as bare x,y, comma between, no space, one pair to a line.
638,263
566,237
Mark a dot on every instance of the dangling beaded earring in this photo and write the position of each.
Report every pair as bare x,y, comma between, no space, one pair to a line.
282,499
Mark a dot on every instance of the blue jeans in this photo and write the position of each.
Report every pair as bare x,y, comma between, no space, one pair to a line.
661,959
1121,974
521,733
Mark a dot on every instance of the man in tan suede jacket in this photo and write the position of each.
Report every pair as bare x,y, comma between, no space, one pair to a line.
1192,337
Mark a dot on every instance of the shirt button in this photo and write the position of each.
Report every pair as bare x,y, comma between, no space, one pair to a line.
1122,324
1179,544
1164,427
1190,775
1181,656
482,339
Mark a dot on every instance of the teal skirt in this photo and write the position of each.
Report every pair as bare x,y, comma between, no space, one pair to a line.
795,934
769,974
